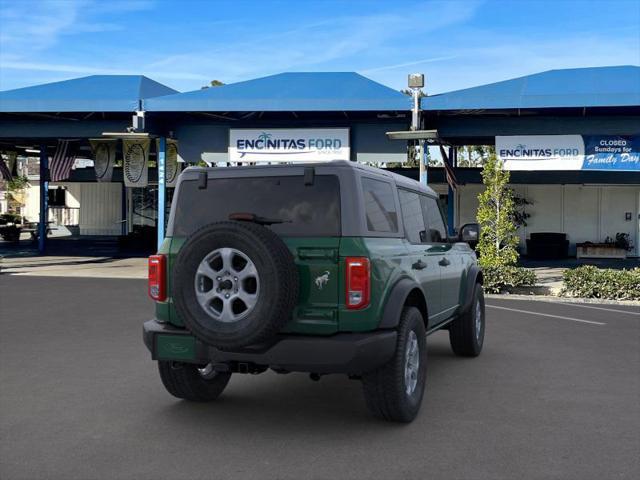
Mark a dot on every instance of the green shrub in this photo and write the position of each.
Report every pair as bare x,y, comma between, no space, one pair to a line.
592,282
501,277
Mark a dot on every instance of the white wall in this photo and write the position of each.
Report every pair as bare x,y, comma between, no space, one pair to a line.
73,195
32,202
100,208
614,203
583,212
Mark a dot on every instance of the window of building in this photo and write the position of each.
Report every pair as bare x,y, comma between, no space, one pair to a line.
57,197
380,207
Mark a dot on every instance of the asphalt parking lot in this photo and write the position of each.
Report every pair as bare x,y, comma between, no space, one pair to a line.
555,394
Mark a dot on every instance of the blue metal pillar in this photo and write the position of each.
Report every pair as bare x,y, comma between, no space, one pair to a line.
44,199
453,159
162,188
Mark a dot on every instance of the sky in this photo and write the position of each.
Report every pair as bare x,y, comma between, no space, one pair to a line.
185,44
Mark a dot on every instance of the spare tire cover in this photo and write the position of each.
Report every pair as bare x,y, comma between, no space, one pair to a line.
234,284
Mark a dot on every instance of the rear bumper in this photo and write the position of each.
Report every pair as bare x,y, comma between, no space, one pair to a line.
350,353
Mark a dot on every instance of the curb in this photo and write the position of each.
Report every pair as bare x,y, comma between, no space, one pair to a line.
556,299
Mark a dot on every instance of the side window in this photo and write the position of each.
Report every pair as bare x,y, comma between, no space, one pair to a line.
412,216
436,231
380,206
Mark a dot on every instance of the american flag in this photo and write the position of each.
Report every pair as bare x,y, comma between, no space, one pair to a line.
4,170
62,161
448,170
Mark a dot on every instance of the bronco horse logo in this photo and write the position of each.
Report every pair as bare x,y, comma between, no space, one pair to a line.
322,280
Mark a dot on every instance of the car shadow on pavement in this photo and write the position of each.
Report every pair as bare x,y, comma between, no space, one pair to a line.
280,404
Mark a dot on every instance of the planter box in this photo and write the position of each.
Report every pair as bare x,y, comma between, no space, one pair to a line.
599,251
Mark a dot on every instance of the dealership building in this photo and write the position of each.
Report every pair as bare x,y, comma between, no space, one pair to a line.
571,139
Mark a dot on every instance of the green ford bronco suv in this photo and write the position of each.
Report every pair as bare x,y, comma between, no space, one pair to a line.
320,268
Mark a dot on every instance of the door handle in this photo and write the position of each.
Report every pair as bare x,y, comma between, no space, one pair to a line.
419,265
444,262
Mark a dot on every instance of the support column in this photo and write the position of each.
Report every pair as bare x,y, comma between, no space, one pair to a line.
162,188
423,163
44,199
453,158
124,231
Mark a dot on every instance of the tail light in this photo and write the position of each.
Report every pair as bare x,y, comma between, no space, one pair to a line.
358,283
157,278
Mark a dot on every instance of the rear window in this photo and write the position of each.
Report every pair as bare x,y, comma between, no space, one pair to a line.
380,206
308,210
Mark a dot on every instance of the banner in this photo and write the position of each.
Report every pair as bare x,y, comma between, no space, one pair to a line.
289,145
104,157
135,154
610,152
172,165
569,152
541,152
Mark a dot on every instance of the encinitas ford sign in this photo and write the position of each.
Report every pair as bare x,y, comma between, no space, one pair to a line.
569,152
289,145
541,152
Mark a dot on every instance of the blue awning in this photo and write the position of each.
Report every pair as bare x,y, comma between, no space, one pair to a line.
577,87
288,92
96,93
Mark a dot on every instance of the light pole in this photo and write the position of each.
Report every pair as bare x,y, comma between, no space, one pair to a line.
416,83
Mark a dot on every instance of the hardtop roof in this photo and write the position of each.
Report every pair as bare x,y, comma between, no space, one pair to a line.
297,169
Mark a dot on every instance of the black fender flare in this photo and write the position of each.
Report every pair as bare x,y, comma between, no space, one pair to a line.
396,300
474,275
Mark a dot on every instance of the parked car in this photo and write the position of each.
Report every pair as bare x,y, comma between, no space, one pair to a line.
10,227
326,268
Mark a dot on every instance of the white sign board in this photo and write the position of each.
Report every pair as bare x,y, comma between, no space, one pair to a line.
289,145
541,152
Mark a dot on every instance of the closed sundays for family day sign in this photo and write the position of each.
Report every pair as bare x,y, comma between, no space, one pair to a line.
289,145
569,152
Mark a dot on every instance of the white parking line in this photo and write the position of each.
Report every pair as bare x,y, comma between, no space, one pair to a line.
546,315
597,308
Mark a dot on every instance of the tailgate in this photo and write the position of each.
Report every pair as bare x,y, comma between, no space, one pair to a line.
317,262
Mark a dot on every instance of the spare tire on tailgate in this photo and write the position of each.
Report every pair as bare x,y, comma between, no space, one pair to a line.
234,284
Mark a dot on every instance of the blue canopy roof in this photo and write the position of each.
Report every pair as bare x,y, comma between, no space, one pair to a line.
576,87
317,91
96,93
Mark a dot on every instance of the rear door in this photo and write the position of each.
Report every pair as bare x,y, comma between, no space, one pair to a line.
423,263
442,251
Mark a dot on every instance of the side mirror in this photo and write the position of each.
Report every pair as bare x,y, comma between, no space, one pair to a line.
469,233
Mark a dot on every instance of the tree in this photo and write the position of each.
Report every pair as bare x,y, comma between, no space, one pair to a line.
496,213
213,83
474,155
15,194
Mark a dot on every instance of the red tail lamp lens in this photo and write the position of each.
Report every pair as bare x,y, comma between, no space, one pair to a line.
157,278
358,283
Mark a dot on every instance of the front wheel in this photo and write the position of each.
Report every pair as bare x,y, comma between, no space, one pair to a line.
394,391
466,333
192,382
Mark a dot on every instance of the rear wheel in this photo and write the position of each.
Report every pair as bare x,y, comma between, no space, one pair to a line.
192,382
466,333
394,391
